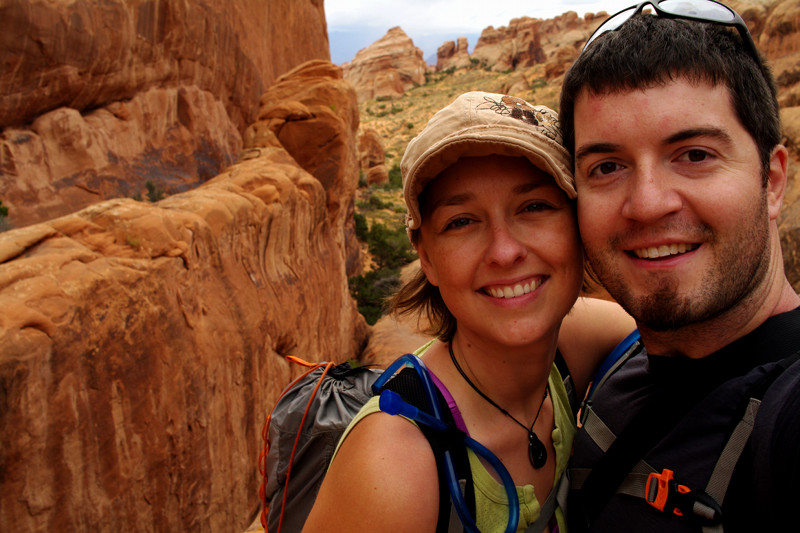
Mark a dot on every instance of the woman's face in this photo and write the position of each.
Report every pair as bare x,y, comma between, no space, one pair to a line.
500,240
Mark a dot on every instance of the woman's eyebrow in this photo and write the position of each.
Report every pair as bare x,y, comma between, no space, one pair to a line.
455,199
531,185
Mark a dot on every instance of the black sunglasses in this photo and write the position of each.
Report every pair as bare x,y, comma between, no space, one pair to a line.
699,10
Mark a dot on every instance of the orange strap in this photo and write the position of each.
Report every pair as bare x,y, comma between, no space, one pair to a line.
262,456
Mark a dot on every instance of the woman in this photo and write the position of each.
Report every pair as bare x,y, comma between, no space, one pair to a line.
491,215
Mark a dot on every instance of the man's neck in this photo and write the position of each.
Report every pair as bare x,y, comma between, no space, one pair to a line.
701,339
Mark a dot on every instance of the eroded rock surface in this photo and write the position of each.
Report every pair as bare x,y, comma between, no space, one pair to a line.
97,98
141,345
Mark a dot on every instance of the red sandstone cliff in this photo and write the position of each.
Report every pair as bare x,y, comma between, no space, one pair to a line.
142,344
96,98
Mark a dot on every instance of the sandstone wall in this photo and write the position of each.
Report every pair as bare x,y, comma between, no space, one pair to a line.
99,96
141,345
86,54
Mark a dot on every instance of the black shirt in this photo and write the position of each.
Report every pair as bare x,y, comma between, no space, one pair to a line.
690,407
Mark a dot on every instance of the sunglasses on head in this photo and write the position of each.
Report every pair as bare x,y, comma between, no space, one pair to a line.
698,10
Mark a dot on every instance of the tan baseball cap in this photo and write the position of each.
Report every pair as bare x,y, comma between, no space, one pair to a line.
479,124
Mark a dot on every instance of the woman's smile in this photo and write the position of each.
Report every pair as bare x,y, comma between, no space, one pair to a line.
514,290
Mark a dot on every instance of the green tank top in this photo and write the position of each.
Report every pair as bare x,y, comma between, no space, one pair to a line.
491,503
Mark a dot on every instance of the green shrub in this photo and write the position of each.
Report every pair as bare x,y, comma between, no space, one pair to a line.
362,231
3,216
374,202
538,84
390,248
154,192
371,290
395,177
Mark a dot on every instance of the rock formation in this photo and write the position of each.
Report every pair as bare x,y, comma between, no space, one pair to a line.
98,97
387,67
141,345
508,48
372,157
453,55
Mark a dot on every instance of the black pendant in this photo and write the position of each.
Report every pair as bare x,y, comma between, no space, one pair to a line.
537,453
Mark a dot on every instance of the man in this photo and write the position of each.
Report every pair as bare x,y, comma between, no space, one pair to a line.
673,124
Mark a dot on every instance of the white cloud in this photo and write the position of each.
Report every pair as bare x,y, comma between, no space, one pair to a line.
355,24
436,16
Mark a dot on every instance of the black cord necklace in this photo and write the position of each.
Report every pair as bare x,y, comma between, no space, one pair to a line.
537,453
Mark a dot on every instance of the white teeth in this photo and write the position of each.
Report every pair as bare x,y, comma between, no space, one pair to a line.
665,250
512,292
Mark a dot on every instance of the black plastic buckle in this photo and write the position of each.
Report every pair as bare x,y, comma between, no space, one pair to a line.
665,494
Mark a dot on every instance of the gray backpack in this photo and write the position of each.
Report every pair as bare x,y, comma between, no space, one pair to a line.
302,431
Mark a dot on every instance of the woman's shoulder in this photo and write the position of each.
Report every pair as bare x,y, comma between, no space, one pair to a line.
383,468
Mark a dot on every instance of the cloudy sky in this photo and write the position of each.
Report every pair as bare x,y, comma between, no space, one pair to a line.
355,24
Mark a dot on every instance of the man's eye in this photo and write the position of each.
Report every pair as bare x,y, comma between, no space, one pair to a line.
607,167
696,155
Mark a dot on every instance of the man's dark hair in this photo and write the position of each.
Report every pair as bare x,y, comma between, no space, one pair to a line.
649,51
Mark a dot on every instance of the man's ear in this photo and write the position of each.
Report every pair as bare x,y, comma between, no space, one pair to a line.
426,265
776,184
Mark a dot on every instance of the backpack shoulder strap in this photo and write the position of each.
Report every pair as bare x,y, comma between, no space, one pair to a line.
408,385
663,492
621,353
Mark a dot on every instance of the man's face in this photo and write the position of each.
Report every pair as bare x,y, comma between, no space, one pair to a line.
671,203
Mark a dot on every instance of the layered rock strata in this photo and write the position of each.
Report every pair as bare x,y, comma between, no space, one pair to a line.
141,345
97,98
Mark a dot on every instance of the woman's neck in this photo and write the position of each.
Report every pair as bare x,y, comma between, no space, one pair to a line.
511,376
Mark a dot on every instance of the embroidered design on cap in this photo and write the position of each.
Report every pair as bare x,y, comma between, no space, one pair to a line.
517,108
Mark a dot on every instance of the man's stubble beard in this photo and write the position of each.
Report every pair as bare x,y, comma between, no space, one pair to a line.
739,266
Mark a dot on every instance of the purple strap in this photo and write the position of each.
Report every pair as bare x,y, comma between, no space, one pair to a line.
451,403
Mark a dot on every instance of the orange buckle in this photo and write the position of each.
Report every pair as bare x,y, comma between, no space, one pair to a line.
661,488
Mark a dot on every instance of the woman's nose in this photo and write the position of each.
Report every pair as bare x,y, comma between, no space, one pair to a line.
505,246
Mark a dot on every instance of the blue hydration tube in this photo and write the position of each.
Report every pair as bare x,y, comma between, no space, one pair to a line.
390,402
611,360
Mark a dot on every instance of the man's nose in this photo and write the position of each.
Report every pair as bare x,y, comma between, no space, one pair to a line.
651,194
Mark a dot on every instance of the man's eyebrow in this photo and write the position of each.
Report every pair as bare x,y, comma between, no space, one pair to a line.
595,148
686,135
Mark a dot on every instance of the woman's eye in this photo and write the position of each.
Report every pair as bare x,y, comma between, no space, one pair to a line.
535,207
458,223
